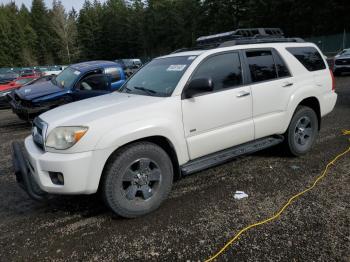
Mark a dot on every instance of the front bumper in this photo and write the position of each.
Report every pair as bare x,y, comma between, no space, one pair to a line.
4,104
81,171
341,68
24,112
23,174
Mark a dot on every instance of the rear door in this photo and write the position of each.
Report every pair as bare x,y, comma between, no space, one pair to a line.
313,61
222,118
272,86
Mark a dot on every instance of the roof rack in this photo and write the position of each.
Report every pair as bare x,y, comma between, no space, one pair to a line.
239,34
241,37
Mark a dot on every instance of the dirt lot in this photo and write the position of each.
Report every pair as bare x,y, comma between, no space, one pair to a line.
201,214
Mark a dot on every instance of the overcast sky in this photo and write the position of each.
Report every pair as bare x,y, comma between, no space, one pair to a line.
77,4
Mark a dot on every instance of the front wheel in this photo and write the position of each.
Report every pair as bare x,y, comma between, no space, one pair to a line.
137,179
302,131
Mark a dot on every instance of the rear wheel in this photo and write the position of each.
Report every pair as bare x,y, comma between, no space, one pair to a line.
137,179
302,131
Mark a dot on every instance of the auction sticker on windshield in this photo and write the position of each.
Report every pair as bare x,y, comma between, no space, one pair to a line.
176,68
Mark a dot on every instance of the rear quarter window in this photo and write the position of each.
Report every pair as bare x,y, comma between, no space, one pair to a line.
309,57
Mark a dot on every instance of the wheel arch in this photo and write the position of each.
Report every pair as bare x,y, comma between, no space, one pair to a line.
160,141
314,104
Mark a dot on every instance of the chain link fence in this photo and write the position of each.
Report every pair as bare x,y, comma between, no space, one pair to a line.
331,44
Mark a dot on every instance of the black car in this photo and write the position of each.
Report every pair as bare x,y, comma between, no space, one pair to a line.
7,77
342,62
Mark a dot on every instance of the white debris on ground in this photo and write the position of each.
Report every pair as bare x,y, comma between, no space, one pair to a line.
240,195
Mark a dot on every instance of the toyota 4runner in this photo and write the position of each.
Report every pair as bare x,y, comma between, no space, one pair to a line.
179,114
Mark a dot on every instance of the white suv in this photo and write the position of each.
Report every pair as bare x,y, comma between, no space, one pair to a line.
179,114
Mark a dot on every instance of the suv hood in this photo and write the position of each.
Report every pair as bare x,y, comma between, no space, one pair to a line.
31,92
101,108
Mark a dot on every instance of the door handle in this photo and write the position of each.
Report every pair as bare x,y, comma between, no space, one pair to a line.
287,84
243,94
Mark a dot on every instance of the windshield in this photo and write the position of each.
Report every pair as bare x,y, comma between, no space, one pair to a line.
159,77
66,78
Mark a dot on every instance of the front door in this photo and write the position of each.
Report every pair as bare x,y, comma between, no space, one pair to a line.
222,118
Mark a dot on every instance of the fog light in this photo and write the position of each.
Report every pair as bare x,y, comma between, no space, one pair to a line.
57,178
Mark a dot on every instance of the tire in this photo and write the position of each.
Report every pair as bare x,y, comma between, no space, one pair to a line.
302,131
137,179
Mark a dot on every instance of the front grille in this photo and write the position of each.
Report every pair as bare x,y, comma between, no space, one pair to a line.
342,62
38,133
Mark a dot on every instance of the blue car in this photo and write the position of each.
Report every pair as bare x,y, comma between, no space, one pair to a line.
76,82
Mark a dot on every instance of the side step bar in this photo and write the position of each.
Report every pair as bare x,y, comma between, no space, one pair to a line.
223,156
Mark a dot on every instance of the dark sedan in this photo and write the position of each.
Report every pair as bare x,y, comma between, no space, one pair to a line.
342,62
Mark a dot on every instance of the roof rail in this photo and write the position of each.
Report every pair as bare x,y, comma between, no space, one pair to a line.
246,41
239,34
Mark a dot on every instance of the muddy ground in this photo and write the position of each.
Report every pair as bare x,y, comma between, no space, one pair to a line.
201,213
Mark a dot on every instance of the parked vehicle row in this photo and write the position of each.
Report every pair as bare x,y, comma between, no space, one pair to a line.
8,76
6,89
177,115
130,66
76,82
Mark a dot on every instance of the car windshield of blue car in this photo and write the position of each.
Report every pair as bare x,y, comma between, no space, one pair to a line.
66,78
159,77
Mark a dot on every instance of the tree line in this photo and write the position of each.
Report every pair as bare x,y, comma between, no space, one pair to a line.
148,28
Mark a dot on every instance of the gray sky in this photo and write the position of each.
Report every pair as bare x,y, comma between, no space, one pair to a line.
77,4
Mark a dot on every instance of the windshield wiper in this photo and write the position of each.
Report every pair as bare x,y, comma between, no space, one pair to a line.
146,90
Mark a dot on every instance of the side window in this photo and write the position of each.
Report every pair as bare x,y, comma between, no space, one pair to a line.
261,65
94,83
224,69
309,57
114,72
281,67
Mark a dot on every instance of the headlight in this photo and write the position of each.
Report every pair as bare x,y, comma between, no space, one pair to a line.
64,137
4,93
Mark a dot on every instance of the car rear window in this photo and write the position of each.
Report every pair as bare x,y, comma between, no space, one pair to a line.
309,57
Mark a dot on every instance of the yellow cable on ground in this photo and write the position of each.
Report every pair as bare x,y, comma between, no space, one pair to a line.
274,217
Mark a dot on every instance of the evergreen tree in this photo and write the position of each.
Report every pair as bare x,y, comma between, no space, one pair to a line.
65,32
41,26
29,37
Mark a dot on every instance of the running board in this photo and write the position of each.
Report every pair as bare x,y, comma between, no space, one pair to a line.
223,156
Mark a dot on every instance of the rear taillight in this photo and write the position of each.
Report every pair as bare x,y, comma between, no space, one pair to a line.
333,80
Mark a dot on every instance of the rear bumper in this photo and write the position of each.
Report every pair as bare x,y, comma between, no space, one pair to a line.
328,103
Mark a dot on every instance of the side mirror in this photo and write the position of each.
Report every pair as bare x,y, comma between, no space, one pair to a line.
198,86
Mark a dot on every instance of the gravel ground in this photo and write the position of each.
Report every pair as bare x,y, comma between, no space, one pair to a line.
201,213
